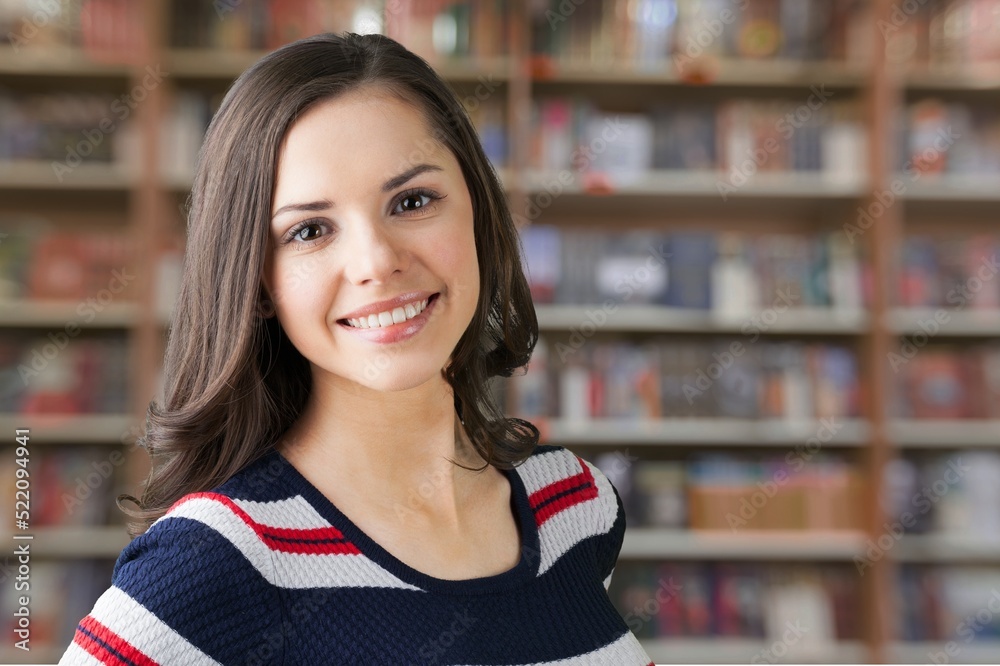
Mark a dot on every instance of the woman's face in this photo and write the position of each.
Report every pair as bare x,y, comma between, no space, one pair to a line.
369,207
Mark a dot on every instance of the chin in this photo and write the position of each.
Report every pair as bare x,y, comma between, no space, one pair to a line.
397,376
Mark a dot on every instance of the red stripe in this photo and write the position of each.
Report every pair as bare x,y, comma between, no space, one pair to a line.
129,653
565,502
581,494
273,537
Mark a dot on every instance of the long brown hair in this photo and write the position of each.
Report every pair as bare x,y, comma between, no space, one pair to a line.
233,382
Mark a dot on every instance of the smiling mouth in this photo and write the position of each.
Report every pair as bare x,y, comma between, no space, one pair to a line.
391,318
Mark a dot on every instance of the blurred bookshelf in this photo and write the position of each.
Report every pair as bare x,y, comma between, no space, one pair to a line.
742,200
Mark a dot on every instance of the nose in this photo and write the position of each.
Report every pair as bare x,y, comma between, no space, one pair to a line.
374,252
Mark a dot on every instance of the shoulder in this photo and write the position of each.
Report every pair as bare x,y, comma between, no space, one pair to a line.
573,501
182,592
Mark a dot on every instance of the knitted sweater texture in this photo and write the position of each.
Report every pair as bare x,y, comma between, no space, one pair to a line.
264,569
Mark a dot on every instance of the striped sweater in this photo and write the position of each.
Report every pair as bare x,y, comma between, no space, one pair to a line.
264,569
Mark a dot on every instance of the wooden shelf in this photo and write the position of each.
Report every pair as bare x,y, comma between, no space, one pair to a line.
59,62
733,73
70,428
962,323
985,650
704,184
955,78
777,545
945,433
661,319
947,548
40,175
698,431
58,314
195,63
952,188
74,542
723,650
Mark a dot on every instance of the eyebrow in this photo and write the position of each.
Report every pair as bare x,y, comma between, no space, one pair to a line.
387,186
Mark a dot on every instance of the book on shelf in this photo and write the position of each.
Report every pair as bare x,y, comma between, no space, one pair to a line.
939,137
444,30
60,374
952,271
953,494
106,30
945,381
949,604
945,32
735,276
802,489
649,34
736,138
66,128
71,486
715,600
669,377
41,262
255,25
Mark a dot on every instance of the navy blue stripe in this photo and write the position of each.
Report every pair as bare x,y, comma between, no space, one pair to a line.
106,646
308,541
574,489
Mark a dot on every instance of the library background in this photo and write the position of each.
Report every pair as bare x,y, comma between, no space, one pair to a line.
761,238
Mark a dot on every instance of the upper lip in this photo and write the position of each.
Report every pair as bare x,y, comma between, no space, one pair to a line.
390,304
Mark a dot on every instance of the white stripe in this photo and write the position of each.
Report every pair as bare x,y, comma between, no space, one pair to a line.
144,631
289,570
563,530
546,468
77,656
607,581
625,651
294,513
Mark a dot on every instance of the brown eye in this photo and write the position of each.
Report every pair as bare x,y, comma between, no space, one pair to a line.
307,232
414,201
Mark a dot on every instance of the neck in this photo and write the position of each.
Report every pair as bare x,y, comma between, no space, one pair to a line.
391,447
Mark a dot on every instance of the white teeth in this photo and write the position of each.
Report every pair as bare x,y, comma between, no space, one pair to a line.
389,317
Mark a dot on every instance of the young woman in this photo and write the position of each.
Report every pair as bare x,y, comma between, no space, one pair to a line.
331,481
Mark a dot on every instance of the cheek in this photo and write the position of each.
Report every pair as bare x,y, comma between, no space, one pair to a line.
456,258
296,294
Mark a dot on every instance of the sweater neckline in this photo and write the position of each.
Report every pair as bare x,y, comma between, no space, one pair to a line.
526,568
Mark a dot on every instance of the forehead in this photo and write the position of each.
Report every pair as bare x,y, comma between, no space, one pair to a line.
358,130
